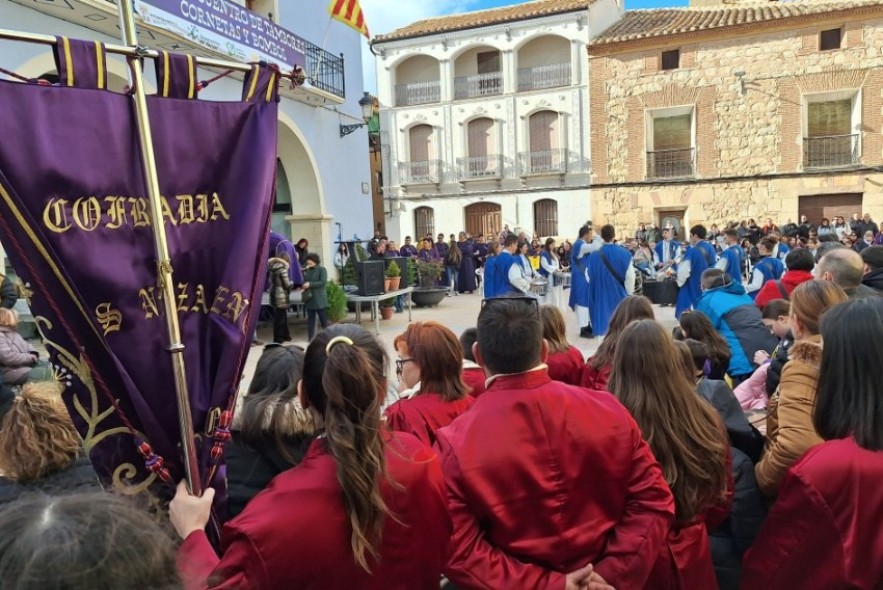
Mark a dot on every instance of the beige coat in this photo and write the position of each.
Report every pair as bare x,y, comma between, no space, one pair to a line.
790,431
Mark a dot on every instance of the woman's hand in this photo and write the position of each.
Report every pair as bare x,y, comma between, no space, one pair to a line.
305,286
188,513
761,356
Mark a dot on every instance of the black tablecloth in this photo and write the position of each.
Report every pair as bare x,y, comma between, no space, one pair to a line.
661,292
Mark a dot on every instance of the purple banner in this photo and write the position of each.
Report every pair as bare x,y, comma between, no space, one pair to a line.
228,28
74,220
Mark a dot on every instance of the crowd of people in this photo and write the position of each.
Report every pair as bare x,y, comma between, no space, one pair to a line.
743,449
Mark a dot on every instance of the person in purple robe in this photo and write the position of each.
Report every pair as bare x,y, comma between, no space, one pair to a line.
466,279
428,251
279,245
408,249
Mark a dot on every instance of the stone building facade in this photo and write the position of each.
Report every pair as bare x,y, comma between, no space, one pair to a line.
753,110
483,118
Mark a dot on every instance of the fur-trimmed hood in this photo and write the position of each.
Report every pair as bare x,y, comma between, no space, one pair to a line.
807,351
298,420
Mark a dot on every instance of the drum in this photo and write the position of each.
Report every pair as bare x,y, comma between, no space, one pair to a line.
561,279
661,292
539,287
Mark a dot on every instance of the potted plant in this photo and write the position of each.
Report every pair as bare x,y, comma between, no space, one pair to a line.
393,276
336,302
428,293
386,307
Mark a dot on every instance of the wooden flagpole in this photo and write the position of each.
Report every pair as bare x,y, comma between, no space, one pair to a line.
164,264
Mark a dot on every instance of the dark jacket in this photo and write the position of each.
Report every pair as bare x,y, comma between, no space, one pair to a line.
861,292
317,277
874,280
731,540
280,283
78,478
8,293
777,363
251,468
743,436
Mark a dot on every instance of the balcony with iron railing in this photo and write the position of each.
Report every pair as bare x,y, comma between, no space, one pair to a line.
416,93
420,172
539,162
325,70
830,151
545,76
478,85
676,163
480,167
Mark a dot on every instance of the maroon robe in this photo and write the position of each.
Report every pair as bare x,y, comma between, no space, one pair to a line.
425,413
296,534
545,477
567,366
474,378
824,530
593,378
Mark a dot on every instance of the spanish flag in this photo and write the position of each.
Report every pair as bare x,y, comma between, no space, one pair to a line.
349,13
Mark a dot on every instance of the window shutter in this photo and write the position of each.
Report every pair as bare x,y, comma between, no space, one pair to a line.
480,144
543,131
545,214
672,133
829,118
424,221
488,62
419,138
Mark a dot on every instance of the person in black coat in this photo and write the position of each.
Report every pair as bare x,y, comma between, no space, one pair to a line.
776,316
40,450
873,259
8,293
271,432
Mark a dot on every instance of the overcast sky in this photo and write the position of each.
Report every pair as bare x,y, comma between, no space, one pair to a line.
384,16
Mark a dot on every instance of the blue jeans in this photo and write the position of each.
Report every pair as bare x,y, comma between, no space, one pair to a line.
452,273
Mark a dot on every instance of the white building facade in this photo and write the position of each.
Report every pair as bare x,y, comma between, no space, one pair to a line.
484,119
314,200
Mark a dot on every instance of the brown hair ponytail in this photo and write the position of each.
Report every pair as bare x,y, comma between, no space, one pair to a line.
343,380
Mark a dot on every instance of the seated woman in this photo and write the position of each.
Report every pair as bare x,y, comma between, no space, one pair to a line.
824,528
597,369
19,361
790,431
271,431
473,374
687,437
698,327
40,450
92,541
430,364
366,508
565,362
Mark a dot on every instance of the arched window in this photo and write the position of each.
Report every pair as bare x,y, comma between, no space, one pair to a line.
424,223
545,155
421,154
481,160
545,217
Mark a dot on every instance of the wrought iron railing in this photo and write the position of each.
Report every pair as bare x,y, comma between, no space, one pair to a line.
678,163
830,151
418,93
478,85
543,162
325,70
420,172
478,167
546,76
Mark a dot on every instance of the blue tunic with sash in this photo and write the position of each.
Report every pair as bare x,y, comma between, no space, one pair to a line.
605,290
579,287
691,291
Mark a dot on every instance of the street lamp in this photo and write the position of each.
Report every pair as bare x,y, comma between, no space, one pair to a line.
367,104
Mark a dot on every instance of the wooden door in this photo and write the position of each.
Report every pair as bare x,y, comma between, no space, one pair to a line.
815,207
676,217
485,219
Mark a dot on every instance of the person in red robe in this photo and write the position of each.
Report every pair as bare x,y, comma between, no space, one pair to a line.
430,363
596,372
549,485
824,530
565,362
473,374
689,441
366,508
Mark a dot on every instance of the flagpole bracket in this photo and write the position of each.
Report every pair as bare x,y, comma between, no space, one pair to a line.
176,348
347,129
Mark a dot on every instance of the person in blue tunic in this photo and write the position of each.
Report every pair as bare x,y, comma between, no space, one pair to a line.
768,268
466,278
699,257
666,251
733,257
611,279
506,278
579,284
489,282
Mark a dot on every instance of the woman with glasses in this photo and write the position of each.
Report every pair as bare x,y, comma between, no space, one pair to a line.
271,431
429,368
365,509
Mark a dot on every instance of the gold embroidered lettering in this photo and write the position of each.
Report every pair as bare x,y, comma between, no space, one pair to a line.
116,211
183,296
55,216
219,299
218,208
167,211
111,320
237,305
200,304
201,208
87,213
148,302
139,212
185,209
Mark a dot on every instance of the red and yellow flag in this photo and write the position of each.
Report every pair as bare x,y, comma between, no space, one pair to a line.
349,13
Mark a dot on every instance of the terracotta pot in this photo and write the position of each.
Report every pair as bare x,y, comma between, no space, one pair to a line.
386,285
386,312
393,283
